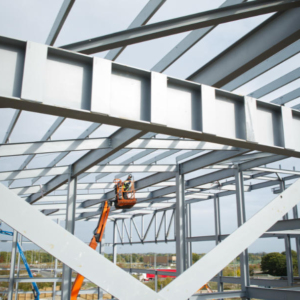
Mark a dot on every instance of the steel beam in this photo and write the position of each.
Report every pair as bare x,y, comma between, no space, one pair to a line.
220,295
78,256
11,126
178,25
276,84
287,97
272,294
233,62
119,139
218,258
189,41
90,144
59,21
141,19
264,66
239,127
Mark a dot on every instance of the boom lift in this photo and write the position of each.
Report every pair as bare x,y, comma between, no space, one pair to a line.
125,198
35,289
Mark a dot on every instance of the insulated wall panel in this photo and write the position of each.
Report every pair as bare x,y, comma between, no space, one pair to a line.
11,69
68,81
130,95
269,126
296,130
183,107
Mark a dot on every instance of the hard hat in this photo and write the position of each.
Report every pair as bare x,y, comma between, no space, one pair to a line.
129,176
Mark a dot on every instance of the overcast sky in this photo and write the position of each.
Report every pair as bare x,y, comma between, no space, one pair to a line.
32,20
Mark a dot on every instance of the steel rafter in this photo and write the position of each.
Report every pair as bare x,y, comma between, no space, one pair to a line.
182,24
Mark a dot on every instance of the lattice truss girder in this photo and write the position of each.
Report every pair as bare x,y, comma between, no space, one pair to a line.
201,128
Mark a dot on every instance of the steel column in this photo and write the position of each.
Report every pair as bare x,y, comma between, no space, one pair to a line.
70,227
297,239
180,223
287,244
218,235
189,254
12,265
218,258
101,251
114,243
18,268
241,217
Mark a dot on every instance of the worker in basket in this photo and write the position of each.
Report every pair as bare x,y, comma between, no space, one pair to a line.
125,193
127,186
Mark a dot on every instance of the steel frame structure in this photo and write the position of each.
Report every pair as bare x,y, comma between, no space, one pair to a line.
194,125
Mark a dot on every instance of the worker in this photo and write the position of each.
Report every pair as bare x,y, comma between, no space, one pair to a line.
126,186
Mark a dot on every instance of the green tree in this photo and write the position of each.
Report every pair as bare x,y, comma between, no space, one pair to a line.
196,257
274,264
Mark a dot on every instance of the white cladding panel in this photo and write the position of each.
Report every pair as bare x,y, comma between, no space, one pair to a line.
130,96
296,130
183,107
11,70
269,128
67,82
230,117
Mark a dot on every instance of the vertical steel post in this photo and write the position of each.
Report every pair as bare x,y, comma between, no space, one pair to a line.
218,235
142,227
12,265
55,274
241,216
189,234
180,223
101,251
70,226
155,272
297,240
288,249
114,244
18,268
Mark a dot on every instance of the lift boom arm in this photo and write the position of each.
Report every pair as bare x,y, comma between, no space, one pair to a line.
35,288
97,238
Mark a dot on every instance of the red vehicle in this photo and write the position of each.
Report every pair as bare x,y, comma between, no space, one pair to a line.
151,276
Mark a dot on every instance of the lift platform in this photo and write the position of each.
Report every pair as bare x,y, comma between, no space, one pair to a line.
125,194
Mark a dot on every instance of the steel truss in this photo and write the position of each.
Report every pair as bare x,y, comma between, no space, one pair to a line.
196,126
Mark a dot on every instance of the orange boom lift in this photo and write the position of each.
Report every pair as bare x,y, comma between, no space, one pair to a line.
124,199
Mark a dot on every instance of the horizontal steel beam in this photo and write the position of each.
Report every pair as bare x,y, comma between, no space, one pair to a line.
244,54
198,113
104,143
276,84
59,21
119,140
141,19
264,66
189,41
220,295
287,97
178,25
272,294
